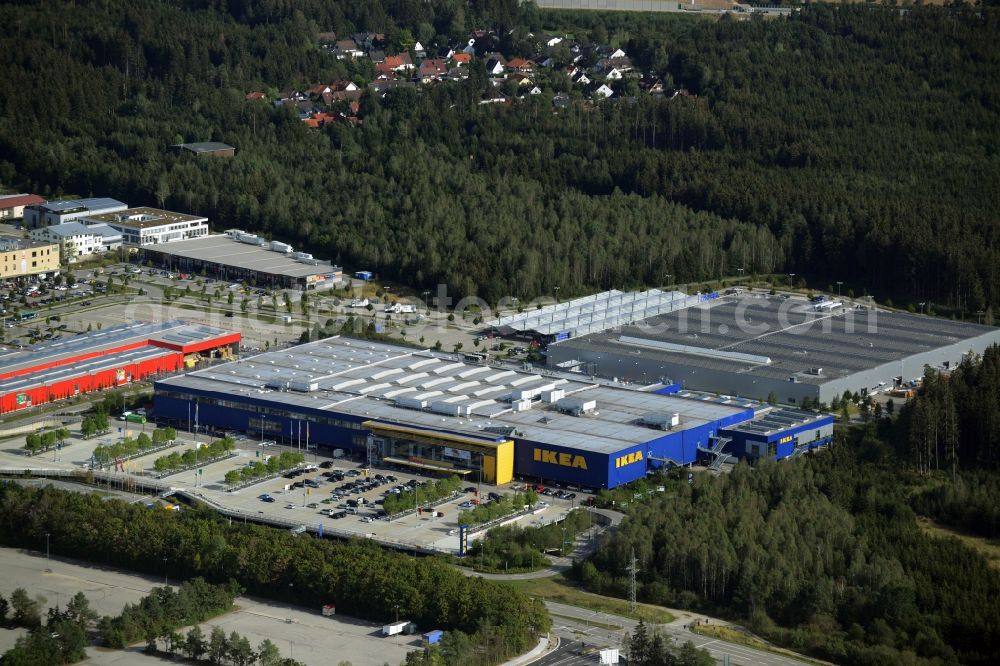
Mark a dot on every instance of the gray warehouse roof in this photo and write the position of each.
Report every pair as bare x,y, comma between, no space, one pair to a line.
97,203
227,251
436,391
596,312
779,338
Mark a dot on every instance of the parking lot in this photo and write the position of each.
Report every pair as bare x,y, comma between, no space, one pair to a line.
301,633
321,487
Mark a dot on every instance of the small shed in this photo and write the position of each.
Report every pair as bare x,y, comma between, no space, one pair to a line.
432,637
363,275
329,609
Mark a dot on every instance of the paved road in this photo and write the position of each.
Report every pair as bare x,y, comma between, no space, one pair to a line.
575,625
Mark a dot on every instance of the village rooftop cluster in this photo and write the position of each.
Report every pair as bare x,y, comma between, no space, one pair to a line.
594,71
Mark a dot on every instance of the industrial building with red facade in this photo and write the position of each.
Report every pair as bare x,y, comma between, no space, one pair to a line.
109,358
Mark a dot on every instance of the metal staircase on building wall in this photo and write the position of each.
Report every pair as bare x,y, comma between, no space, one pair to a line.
714,450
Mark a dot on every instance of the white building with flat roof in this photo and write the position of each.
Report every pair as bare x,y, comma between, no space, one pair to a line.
142,227
80,240
61,212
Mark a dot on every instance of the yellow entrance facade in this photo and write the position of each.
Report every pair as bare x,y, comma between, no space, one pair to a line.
496,459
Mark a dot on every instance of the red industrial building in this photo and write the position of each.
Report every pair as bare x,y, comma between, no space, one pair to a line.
115,356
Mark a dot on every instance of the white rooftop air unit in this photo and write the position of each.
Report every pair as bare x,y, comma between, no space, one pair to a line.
521,405
277,246
553,396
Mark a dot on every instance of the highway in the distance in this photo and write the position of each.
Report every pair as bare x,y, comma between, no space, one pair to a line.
580,629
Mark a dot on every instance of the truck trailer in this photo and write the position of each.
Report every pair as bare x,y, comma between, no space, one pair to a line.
394,628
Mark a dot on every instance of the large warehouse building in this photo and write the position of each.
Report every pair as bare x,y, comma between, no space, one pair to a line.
237,256
772,347
103,359
430,411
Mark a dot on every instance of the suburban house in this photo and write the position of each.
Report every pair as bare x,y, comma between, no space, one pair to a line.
399,63
460,59
431,69
256,96
521,65
12,205
347,48
651,84
603,90
494,66
608,74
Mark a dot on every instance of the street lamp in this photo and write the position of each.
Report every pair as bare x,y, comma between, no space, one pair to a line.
839,282
667,277
426,294
557,294
165,583
48,561
790,277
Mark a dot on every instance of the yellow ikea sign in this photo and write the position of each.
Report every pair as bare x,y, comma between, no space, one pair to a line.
785,440
562,459
628,459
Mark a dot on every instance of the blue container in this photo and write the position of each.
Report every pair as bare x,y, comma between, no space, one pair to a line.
433,637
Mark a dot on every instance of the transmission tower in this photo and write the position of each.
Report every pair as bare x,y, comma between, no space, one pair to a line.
633,567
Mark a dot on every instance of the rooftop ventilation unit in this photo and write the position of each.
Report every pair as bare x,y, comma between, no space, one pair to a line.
815,371
553,396
521,405
662,421
411,403
576,406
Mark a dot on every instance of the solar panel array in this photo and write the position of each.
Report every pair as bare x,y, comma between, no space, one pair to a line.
598,312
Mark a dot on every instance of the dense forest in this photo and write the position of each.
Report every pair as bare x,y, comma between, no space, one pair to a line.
364,580
825,554
854,143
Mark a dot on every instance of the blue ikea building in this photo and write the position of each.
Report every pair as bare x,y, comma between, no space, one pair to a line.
779,433
435,412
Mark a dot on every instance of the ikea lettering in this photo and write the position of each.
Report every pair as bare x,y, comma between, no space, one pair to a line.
785,440
561,459
628,459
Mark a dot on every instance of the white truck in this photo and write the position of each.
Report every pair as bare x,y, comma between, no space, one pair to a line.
394,628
